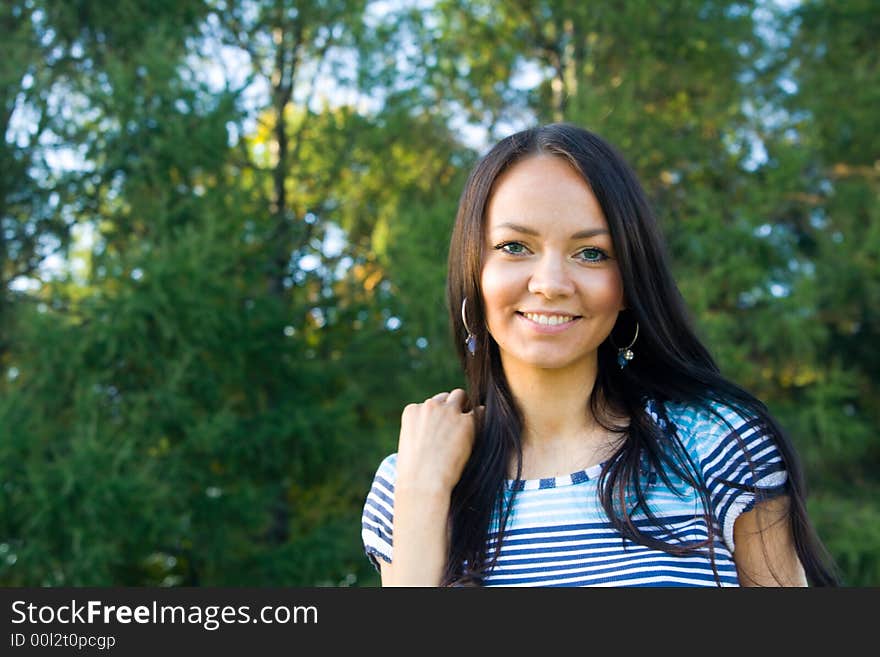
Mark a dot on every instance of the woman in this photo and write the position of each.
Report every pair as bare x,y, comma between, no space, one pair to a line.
597,443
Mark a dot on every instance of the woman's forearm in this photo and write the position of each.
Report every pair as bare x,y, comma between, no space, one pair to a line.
421,539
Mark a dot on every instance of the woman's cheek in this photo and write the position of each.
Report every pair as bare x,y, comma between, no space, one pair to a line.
489,283
607,290
496,285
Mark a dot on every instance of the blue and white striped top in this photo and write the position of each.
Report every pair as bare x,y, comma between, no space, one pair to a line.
558,533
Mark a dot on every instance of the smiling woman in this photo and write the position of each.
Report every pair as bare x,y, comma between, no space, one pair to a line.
549,273
597,442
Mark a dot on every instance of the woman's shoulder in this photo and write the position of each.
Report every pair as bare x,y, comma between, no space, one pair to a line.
377,519
706,424
387,469
705,413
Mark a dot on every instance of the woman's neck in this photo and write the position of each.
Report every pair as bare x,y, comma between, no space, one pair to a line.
555,403
560,434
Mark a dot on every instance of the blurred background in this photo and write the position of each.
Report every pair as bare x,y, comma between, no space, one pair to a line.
224,236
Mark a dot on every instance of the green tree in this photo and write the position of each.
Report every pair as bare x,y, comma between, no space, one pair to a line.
832,79
191,408
254,200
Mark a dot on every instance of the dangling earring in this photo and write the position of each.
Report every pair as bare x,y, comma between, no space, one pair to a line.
625,354
471,340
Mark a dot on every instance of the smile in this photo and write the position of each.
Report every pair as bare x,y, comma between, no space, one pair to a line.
548,323
552,320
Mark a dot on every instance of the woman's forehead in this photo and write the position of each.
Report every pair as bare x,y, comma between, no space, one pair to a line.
544,193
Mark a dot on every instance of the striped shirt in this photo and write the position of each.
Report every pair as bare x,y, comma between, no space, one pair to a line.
559,535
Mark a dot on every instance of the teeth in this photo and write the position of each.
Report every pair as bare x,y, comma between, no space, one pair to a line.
550,320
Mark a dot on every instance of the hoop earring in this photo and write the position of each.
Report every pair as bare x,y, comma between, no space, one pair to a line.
625,354
471,340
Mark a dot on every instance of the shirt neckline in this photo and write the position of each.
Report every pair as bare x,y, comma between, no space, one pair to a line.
581,476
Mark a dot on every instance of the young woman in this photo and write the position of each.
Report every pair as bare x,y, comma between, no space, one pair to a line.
597,443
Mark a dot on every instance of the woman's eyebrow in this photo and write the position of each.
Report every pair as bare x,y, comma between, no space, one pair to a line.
581,234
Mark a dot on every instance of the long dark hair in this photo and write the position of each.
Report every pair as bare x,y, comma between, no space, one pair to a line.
672,366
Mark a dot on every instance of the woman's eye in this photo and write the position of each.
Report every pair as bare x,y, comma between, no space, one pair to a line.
592,254
513,248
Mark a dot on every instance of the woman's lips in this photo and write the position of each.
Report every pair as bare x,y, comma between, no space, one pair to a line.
547,328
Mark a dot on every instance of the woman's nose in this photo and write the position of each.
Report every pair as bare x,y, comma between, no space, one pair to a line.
550,278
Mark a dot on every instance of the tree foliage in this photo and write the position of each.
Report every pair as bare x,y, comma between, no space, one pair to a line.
224,238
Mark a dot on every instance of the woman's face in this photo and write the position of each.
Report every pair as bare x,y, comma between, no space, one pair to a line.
551,285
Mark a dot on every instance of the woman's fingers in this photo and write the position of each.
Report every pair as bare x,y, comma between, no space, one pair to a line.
456,397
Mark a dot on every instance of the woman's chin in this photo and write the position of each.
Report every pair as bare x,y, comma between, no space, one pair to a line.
540,359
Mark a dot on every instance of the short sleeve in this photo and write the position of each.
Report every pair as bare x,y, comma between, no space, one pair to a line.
738,458
378,514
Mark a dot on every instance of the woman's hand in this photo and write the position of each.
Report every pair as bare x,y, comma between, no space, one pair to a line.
436,439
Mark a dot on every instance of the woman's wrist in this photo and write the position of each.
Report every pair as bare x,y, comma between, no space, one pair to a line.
429,489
